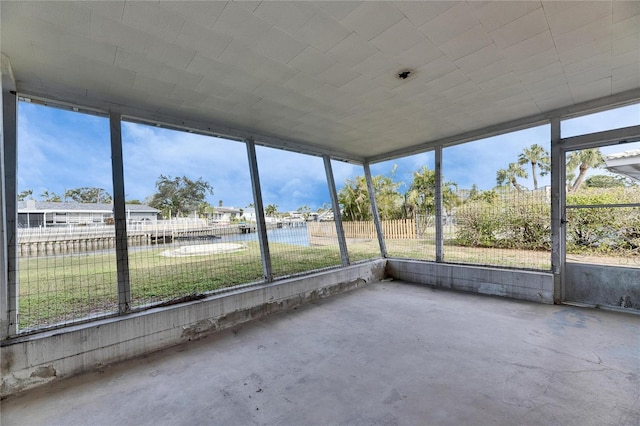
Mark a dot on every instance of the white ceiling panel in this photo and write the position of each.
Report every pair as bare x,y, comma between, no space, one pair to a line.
278,45
466,43
625,9
322,31
399,37
204,15
520,29
150,18
419,12
289,16
565,16
325,74
370,19
494,15
352,50
450,24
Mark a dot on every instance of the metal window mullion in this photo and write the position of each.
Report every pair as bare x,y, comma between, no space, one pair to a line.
119,214
558,200
438,201
374,210
337,217
595,140
267,268
9,292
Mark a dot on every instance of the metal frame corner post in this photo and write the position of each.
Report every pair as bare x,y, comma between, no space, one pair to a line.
558,199
374,210
337,217
438,202
119,214
267,268
9,215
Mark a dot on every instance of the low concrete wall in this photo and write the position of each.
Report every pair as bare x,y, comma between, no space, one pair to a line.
30,361
602,285
523,285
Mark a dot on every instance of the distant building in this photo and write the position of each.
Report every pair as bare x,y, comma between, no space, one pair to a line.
232,214
36,214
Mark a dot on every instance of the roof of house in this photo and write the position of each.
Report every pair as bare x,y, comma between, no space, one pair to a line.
626,163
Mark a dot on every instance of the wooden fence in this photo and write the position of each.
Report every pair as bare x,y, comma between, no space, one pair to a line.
403,229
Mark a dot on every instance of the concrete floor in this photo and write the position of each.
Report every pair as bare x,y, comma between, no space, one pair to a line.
389,353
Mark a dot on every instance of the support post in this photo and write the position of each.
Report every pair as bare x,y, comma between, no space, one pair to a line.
558,220
438,201
337,217
374,210
267,269
119,214
9,284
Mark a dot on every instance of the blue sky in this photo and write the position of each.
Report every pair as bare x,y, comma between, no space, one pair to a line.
60,150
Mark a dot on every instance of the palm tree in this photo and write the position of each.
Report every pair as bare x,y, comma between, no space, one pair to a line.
509,175
584,160
420,198
50,196
537,156
354,199
271,210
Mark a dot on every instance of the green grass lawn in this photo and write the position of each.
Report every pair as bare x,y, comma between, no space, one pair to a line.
62,289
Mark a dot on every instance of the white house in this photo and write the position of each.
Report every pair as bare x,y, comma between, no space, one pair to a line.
35,214
231,214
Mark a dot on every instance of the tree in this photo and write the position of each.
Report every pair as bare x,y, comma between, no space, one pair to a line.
271,210
134,201
305,211
88,195
605,181
537,156
420,198
356,204
388,198
24,194
180,195
583,160
50,196
354,199
509,175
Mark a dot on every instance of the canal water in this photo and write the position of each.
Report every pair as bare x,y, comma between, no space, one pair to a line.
296,235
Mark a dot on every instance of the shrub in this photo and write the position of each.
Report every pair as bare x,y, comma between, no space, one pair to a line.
606,229
511,220
522,221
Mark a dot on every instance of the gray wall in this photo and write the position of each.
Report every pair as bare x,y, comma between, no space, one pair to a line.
603,285
523,285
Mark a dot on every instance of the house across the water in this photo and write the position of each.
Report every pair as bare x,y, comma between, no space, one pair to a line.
42,214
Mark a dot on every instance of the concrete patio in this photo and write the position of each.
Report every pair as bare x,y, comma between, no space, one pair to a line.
388,353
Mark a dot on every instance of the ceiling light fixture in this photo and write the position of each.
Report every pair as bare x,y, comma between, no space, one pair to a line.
404,74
